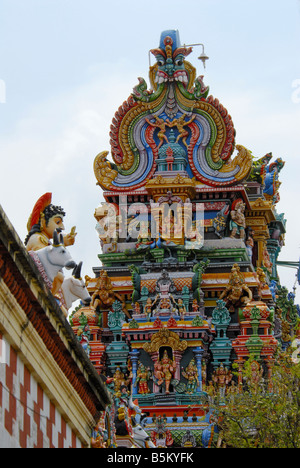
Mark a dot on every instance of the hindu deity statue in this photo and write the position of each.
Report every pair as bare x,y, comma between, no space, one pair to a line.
250,244
164,305
143,376
43,221
181,308
191,374
168,369
256,376
266,260
161,436
232,390
119,380
148,307
237,288
165,285
158,373
237,222
222,378
84,335
104,296
99,434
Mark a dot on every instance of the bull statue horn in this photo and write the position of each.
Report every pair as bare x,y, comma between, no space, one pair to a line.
77,271
133,421
56,240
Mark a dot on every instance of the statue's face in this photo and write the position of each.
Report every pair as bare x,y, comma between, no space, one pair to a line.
171,69
54,223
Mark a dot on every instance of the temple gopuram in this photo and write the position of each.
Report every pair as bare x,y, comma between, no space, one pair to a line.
190,236
185,290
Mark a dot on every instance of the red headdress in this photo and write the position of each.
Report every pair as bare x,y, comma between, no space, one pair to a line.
236,202
43,201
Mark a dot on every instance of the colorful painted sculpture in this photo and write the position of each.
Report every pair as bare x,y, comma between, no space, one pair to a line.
143,376
193,223
222,378
191,374
168,368
51,260
271,181
43,221
83,336
238,223
104,296
237,292
178,103
73,288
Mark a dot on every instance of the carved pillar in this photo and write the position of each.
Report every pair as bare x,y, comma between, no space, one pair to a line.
134,356
155,357
177,356
198,352
258,218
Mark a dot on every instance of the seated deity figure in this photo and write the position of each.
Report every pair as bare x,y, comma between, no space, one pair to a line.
43,221
237,288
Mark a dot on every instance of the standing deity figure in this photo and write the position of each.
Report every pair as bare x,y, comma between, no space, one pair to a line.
143,375
181,309
191,374
250,244
237,222
161,125
84,335
222,377
168,369
148,307
256,376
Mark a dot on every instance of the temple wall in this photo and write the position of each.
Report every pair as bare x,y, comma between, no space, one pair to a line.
28,418
50,394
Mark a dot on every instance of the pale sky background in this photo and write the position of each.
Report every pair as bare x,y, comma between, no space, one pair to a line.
67,65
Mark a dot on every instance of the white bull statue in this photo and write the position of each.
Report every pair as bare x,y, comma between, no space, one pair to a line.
140,436
74,288
50,261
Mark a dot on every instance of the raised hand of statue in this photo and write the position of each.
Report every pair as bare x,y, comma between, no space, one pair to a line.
69,239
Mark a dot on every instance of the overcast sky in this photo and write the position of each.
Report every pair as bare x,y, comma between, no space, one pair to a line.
67,65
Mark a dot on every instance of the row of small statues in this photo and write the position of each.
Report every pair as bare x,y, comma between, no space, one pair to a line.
221,385
153,308
47,220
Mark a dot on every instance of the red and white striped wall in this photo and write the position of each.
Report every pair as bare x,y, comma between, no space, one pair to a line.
28,419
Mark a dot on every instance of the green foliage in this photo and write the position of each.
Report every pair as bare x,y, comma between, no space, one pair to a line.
267,416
